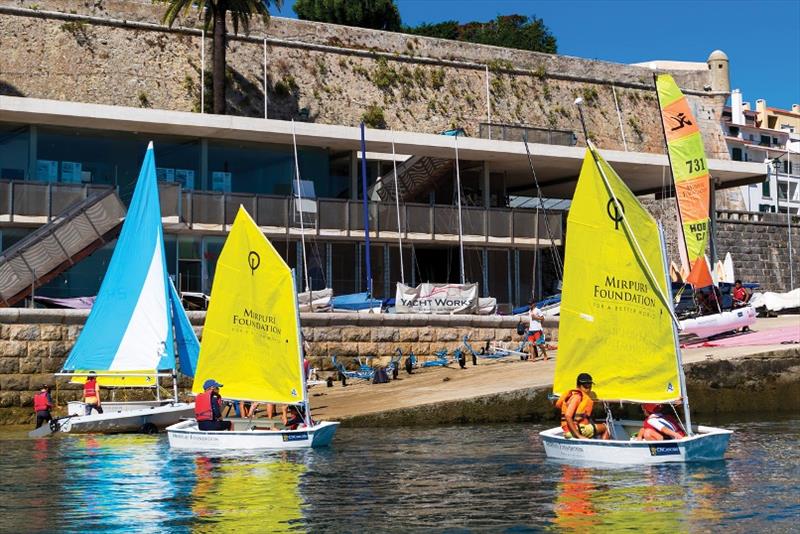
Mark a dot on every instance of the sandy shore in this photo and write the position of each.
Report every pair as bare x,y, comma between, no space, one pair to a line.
437,385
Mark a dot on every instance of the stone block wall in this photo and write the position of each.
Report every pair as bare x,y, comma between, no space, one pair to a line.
759,246
119,53
35,343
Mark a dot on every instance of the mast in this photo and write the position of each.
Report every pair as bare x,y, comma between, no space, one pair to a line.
460,229
300,211
306,409
678,356
397,207
366,209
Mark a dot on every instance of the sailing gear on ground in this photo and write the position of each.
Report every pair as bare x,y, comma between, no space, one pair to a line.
583,413
207,407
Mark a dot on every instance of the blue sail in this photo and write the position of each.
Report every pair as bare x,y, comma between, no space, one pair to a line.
186,340
129,327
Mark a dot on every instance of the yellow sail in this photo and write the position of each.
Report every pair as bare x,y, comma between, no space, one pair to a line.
124,380
251,340
615,317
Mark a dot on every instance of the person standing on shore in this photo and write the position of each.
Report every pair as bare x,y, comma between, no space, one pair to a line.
535,333
42,404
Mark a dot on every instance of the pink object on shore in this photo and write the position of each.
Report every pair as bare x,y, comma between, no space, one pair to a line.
775,336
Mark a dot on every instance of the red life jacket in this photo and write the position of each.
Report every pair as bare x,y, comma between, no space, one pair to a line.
90,389
202,407
40,402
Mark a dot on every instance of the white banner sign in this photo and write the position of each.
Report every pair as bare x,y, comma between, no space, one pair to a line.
437,298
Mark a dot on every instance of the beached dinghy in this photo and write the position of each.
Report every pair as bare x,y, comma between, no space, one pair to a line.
617,324
136,327
251,344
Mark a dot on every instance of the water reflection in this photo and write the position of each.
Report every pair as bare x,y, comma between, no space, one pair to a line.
247,494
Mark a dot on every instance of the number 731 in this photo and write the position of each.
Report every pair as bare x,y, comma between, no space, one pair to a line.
696,165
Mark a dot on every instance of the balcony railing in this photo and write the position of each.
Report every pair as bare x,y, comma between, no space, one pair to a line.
38,202
519,132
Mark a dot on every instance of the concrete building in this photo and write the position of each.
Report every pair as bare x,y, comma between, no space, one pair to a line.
770,136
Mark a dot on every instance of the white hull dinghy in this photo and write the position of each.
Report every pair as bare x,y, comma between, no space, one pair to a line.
147,420
246,435
252,345
137,328
618,333
719,323
706,444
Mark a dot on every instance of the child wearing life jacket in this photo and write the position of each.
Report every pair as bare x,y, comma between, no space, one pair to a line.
659,426
576,407
42,404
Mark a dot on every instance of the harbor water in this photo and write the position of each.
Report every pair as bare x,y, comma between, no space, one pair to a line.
459,478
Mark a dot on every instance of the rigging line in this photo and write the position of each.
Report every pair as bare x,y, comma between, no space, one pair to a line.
397,208
300,211
460,226
556,257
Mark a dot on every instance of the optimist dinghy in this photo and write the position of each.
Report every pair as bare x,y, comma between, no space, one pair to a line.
617,324
251,344
135,329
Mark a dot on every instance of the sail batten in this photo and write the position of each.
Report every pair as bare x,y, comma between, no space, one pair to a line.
615,323
251,337
689,169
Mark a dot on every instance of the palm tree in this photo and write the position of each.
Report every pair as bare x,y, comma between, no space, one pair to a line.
215,14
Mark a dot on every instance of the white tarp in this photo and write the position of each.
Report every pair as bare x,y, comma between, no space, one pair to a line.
776,301
437,298
321,302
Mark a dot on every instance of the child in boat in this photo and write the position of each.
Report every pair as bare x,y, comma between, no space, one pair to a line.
576,407
659,426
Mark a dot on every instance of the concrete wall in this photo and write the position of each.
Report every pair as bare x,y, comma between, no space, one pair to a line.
116,52
35,343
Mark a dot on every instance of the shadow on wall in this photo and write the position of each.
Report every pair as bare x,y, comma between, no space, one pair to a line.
7,89
246,99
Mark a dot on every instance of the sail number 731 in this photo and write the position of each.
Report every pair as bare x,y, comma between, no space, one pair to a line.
696,165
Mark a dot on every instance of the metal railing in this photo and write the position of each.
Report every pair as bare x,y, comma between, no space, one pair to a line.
520,132
214,211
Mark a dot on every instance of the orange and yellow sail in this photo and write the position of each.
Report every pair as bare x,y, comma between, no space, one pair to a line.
687,159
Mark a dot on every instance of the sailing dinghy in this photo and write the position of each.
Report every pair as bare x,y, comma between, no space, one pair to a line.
136,326
617,324
691,178
251,344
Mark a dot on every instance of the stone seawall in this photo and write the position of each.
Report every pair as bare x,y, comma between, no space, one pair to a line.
764,383
35,343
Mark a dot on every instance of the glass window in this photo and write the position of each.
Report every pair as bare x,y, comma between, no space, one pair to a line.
499,279
190,267
345,267
394,267
765,188
317,261
378,267
107,157
14,145
736,154
82,279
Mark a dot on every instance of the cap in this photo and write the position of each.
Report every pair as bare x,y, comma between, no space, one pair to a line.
211,383
585,378
45,386
651,407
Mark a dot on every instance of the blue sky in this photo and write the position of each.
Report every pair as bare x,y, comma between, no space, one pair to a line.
761,38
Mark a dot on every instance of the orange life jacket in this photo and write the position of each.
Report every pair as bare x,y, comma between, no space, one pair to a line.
40,402
203,410
90,389
582,415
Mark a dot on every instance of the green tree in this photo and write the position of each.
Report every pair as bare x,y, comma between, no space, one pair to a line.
375,14
509,31
215,14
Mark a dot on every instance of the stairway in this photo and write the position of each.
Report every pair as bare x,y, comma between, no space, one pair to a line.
53,248
415,177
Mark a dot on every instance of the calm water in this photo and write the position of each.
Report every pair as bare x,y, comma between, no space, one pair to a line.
487,478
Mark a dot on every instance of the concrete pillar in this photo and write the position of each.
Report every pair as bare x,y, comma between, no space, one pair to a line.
486,186
354,175
737,108
761,113
33,146
720,74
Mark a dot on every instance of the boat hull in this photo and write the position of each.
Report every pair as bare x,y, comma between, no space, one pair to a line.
708,444
718,323
186,435
144,419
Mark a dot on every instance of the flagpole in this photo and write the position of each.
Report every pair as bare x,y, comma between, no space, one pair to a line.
366,209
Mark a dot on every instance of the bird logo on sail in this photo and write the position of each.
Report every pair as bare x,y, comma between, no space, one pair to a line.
670,387
253,260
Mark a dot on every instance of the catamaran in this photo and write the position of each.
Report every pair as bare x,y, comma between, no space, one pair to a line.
136,327
252,346
617,324
692,187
